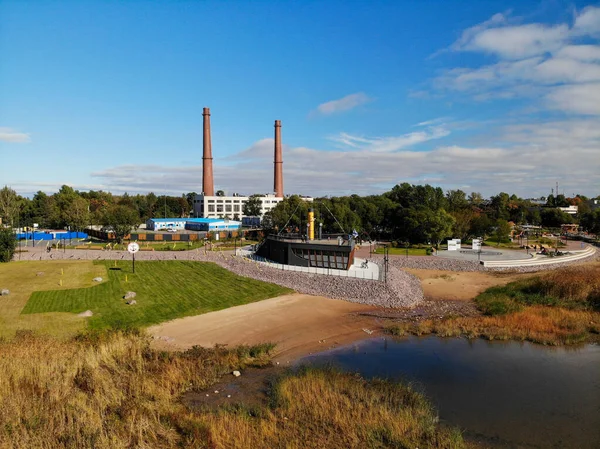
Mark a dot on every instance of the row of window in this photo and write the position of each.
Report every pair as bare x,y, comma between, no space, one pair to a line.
224,208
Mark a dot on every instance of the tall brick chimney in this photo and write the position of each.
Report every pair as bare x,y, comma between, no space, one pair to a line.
208,187
278,178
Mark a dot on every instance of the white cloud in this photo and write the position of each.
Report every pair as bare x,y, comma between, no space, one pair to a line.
517,42
532,157
588,22
580,52
10,135
559,64
389,144
469,34
343,104
581,98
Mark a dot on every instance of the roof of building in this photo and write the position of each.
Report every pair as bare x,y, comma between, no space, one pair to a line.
193,220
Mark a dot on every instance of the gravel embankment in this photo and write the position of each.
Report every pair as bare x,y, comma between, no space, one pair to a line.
401,290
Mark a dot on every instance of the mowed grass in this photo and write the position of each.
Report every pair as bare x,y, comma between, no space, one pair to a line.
165,290
23,278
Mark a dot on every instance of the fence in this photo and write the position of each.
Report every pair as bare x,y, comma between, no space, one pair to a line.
51,235
368,275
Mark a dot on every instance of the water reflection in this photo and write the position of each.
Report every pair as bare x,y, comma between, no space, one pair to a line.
505,394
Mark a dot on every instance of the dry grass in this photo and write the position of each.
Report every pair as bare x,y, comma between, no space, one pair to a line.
558,308
325,408
108,391
538,324
111,390
21,278
576,284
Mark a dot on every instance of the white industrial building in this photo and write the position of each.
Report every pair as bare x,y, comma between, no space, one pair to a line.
232,206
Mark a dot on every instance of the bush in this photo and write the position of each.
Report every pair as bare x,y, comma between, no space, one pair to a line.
497,301
8,244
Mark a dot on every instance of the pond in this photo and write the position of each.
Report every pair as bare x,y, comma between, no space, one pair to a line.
501,394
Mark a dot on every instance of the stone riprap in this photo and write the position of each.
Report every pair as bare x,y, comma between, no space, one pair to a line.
401,290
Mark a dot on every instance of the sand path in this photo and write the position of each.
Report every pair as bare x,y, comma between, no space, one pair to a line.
299,324
461,285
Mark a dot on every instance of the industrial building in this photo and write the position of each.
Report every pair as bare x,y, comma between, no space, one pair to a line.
212,224
208,205
230,206
308,251
191,224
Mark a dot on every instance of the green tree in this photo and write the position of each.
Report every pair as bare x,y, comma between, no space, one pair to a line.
252,206
121,220
42,206
475,199
463,220
77,214
591,221
438,226
8,244
481,226
502,231
457,200
553,218
289,215
9,206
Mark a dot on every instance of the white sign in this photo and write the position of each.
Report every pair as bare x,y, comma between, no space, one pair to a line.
133,247
453,245
476,244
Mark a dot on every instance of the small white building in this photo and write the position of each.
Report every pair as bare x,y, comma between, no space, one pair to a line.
571,210
163,224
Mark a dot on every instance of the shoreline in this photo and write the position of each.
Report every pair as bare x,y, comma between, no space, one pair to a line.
301,324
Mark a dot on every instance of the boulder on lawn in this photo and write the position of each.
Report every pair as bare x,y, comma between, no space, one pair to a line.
5,292
129,295
131,302
236,373
98,279
86,313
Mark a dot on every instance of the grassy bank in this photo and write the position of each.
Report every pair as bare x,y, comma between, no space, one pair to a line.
23,278
402,251
557,308
111,390
165,290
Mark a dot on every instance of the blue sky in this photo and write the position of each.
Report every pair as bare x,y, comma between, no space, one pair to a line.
485,96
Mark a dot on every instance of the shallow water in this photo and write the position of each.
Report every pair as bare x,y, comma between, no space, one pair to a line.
508,395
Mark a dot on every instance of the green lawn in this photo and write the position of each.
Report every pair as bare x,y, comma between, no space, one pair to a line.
165,290
402,251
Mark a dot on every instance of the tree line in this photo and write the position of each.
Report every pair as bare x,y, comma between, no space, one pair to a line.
426,214
406,213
